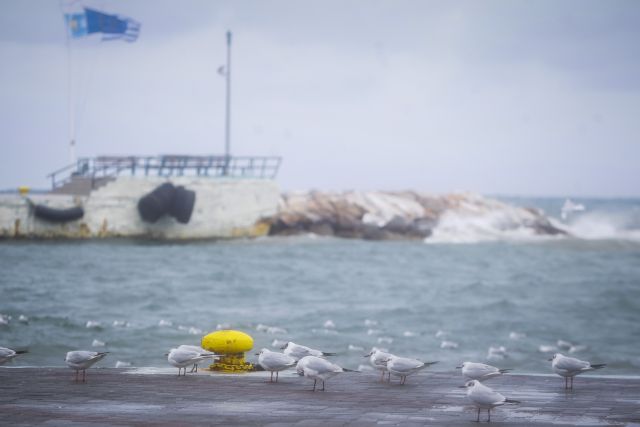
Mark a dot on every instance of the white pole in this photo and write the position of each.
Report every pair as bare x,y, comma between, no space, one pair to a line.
227,143
70,104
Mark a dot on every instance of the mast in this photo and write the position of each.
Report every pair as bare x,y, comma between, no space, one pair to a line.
227,140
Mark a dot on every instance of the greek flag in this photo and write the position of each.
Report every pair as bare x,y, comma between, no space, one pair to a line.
112,27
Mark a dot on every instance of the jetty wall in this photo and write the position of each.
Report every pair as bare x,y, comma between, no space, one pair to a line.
224,208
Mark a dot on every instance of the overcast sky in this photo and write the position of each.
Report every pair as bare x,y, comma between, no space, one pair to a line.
498,97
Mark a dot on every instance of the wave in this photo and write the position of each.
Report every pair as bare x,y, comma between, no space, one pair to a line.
457,227
507,222
605,225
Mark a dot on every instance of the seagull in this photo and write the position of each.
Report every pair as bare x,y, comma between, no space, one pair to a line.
273,361
198,350
82,360
403,366
298,351
378,360
484,397
6,354
569,367
480,371
318,369
181,358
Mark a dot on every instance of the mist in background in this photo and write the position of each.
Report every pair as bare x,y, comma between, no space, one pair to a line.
521,98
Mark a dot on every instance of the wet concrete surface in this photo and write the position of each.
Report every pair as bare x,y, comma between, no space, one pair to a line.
114,397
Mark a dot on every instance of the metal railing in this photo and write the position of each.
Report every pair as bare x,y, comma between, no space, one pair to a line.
96,168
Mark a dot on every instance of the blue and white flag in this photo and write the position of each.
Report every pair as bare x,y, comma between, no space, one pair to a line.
111,26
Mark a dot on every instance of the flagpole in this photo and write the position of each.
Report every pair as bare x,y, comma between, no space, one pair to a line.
227,141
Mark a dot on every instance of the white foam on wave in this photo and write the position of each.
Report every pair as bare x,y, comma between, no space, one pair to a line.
477,219
472,218
598,225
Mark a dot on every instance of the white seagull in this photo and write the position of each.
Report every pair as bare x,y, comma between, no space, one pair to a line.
569,367
6,354
480,371
403,366
318,369
378,359
484,397
298,351
197,349
273,361
82,360
182,357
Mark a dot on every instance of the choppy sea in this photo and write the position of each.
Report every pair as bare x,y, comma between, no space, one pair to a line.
445,301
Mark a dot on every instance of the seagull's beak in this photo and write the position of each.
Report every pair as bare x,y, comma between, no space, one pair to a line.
462,386
257,354
550,360
458,367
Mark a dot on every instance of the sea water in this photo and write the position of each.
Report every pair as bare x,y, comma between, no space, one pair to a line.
449,302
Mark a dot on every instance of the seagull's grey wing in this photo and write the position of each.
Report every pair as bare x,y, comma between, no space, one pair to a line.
80,356
282,358
571,364
487,397
183,356
6,352
318,364
480,370
403,364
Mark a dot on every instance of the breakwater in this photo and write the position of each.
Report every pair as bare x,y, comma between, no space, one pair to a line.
400,215
230,208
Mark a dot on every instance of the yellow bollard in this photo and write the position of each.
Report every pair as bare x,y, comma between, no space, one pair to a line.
23,190
231,345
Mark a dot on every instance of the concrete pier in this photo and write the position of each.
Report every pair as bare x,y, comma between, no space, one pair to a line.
48,396
224,208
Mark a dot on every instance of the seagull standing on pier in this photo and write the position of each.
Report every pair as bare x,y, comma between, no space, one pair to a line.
403,366
569,367
480,371
7,354
197,349
273,361
378,359
318,369
298,351
484,397
82,360
183,357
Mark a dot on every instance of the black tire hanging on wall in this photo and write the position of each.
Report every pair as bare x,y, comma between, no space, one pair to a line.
182,206
57,215
157,203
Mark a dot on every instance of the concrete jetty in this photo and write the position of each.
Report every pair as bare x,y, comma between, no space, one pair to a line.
48,396
224,208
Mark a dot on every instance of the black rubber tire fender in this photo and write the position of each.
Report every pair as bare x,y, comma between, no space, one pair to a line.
155,204
183,203
57,215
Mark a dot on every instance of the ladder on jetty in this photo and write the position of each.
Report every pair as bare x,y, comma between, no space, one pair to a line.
90,173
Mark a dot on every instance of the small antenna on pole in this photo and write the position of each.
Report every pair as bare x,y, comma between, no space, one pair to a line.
227,141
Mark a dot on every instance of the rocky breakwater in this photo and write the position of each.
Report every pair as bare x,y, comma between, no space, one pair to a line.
463,217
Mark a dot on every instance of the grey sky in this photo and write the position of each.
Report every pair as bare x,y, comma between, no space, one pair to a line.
510,97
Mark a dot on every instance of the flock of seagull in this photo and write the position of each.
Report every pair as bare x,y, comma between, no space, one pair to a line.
312,363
